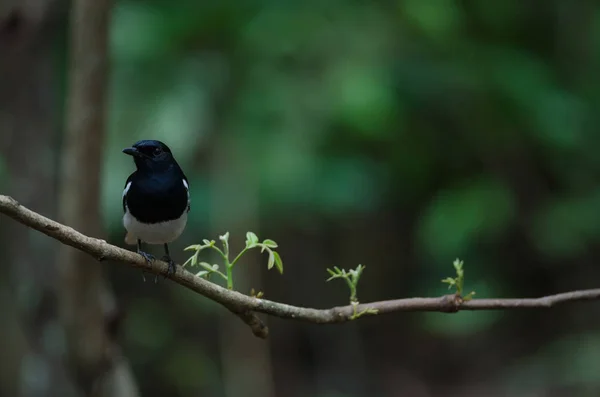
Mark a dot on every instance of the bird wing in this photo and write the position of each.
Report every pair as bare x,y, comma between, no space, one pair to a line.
187,189
129,239
126,190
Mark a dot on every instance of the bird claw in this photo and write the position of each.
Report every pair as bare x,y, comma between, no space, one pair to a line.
171,263
148,257
144,277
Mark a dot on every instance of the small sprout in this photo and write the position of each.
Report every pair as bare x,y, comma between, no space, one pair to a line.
468,296
351,277
255,294
357,314
252,241
458,281
225,241
224,238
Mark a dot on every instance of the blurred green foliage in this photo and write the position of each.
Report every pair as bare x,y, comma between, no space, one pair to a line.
400,134
457,219
468,119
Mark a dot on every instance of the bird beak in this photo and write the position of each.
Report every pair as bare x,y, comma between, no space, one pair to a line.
133,152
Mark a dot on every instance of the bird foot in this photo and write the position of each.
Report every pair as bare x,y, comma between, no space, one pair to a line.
148,257
171,263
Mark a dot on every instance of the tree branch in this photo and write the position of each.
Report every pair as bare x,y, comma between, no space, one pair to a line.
245,306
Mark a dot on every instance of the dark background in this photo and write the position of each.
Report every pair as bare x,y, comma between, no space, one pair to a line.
395,134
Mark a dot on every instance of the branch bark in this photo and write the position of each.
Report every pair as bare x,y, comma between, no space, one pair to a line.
246,306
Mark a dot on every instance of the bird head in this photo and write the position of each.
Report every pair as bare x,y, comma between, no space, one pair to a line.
150,155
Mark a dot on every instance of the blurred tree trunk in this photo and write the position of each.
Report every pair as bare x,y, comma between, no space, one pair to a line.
30,363
86,305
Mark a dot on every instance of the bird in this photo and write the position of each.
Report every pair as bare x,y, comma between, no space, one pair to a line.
156,199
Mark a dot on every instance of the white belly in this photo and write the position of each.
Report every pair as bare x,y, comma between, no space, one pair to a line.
156,233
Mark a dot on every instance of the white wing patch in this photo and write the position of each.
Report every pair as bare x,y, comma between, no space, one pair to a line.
187,189
126,189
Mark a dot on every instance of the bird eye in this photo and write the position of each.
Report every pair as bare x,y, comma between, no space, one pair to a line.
157,151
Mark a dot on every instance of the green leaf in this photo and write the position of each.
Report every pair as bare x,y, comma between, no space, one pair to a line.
450,281
458,265
333,275
194,247
271,261
278,262
251,240
189,260
270,243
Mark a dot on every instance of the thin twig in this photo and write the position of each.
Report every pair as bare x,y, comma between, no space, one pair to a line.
245,306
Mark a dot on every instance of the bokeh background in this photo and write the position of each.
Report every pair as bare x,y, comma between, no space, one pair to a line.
395,134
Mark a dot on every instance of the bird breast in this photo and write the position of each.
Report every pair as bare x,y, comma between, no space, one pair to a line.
153,233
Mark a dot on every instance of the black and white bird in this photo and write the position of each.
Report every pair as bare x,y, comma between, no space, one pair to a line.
156,199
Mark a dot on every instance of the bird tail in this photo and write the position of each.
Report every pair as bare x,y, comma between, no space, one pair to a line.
129,239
